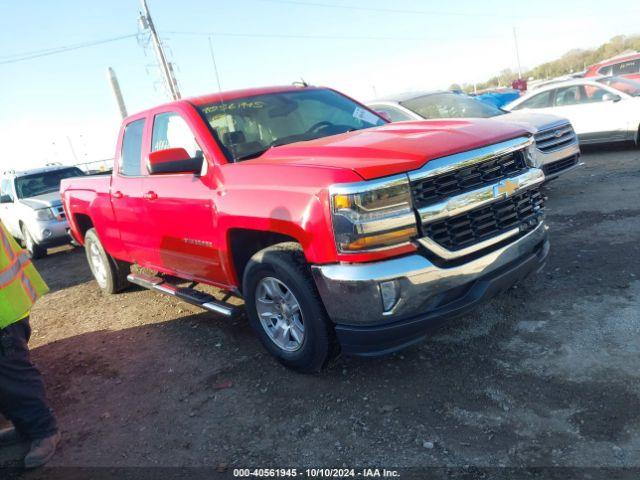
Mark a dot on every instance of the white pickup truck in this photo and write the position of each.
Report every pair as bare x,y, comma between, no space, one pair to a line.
31,209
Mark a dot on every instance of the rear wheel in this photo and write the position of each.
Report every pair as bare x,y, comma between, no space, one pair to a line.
285,310
109,273
34,250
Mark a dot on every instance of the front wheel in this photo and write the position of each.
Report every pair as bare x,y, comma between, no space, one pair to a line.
285,310
34,250
110,274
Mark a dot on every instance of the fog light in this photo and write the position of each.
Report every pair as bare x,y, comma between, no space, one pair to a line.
389,292
46,233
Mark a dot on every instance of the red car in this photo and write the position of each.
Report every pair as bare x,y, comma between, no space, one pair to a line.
624,66
338,230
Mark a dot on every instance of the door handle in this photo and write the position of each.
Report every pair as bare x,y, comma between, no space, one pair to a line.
151,195
117,194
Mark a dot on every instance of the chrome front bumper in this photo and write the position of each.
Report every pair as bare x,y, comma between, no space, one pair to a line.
352,296
50,232
553,156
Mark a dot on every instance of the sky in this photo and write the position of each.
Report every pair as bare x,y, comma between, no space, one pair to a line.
59,108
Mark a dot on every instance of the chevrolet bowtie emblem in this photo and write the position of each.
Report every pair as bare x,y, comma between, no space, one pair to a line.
505,188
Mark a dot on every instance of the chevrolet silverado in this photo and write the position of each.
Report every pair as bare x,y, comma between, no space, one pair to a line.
339,231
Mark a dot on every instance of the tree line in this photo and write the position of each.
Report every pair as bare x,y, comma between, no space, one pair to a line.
573,61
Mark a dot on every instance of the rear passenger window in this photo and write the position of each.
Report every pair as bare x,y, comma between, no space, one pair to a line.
626,68
542,100
132,148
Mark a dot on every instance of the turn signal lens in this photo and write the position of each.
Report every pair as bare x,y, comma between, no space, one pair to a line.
341,201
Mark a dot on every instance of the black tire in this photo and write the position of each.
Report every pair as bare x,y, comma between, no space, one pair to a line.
286,263
114,279
34,250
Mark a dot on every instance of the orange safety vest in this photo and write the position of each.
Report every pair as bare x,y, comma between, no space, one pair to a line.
20,283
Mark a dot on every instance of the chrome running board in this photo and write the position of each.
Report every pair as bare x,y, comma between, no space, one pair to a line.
186,294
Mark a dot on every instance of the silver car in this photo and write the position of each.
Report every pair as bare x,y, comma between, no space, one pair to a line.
31,208
557,149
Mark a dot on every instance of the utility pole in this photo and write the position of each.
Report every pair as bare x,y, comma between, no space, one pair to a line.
117,93
165,66
515,39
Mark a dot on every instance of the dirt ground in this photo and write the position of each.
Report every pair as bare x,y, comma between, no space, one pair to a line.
546,374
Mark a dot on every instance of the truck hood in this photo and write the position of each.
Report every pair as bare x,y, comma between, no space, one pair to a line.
393,148
43,201
532,121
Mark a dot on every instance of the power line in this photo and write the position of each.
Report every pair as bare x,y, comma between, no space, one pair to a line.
53,51
312,37
440,12
390,10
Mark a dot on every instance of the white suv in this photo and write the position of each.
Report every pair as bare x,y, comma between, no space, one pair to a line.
31,209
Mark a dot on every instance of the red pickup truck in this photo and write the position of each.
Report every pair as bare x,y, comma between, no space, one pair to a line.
339,231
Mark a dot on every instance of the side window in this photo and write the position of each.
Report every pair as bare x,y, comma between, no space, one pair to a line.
606,70
132,148
626,68
593,94
171,131
569,96
541,100
5,188
394,114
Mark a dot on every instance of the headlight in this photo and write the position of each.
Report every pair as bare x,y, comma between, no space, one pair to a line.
372,215
533,156
44,214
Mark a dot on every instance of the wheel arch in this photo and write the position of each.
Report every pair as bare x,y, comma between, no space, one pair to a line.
82,223
244,243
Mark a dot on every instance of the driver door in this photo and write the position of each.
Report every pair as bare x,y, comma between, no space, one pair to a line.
180,211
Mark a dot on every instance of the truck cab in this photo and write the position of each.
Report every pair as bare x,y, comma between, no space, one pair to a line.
31,208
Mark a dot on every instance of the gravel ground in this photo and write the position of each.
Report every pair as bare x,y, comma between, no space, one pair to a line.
546,374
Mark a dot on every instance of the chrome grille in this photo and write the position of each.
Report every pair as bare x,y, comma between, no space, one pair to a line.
559,165
435,188
555,138
521,210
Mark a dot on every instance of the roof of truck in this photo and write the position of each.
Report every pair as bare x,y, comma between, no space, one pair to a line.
247,92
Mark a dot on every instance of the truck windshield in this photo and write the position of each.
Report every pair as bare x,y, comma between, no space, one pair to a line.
450,105
247,127
45,182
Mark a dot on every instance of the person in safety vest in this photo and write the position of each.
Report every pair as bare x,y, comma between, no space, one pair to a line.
22,393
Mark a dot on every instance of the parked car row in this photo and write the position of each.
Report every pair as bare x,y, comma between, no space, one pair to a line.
557,149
